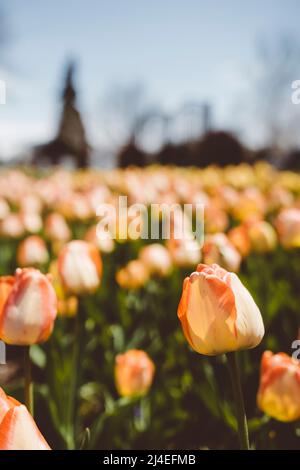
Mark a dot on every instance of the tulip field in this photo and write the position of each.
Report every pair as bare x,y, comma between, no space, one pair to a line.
139,342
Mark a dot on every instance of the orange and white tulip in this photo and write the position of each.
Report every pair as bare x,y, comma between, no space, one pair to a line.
279,391
56,228
134,371
133,276
80,267
18,430
217,312
218,249
100,238
185,252
32,252
28,307
157,259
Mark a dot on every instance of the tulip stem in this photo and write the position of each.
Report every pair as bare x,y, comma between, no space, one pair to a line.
28,383
239,400
79,338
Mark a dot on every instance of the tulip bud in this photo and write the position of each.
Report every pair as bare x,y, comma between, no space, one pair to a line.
80,267
32,252
18,430
27,307
279,390
217,312
134,372
157,259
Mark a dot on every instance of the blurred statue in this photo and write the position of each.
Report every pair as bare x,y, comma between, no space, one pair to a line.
71,139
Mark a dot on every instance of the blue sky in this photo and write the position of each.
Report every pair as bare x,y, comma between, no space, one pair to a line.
180,49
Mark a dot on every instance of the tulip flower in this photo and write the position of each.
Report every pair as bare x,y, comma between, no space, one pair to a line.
262,236
101,239
32,252
216,220
217,312
134,372
28,307
157,259
56,228
67,305
217,249
18,431
279,390
32,221
133,276
185,252
218,315
239,238
288,227
80,267
12,226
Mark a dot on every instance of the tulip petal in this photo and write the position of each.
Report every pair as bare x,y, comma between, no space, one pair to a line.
18,431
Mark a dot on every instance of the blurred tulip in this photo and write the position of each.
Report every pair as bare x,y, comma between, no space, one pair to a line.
262,236
18,430
288,227
12,226
278,198
67,305
133,276
101,239
29,308
217,312
56,228
134,371
32,221
216,220
239,238
252,203
185,252
32,252
218,249
80,267
75,207
279,390
157,259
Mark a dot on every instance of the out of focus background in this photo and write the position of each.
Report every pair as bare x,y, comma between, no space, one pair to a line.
117,83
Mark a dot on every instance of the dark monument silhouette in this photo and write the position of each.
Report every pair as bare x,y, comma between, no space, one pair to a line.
71,139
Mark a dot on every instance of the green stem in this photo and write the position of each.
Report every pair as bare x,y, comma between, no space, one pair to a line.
28,382
75,374
239,401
